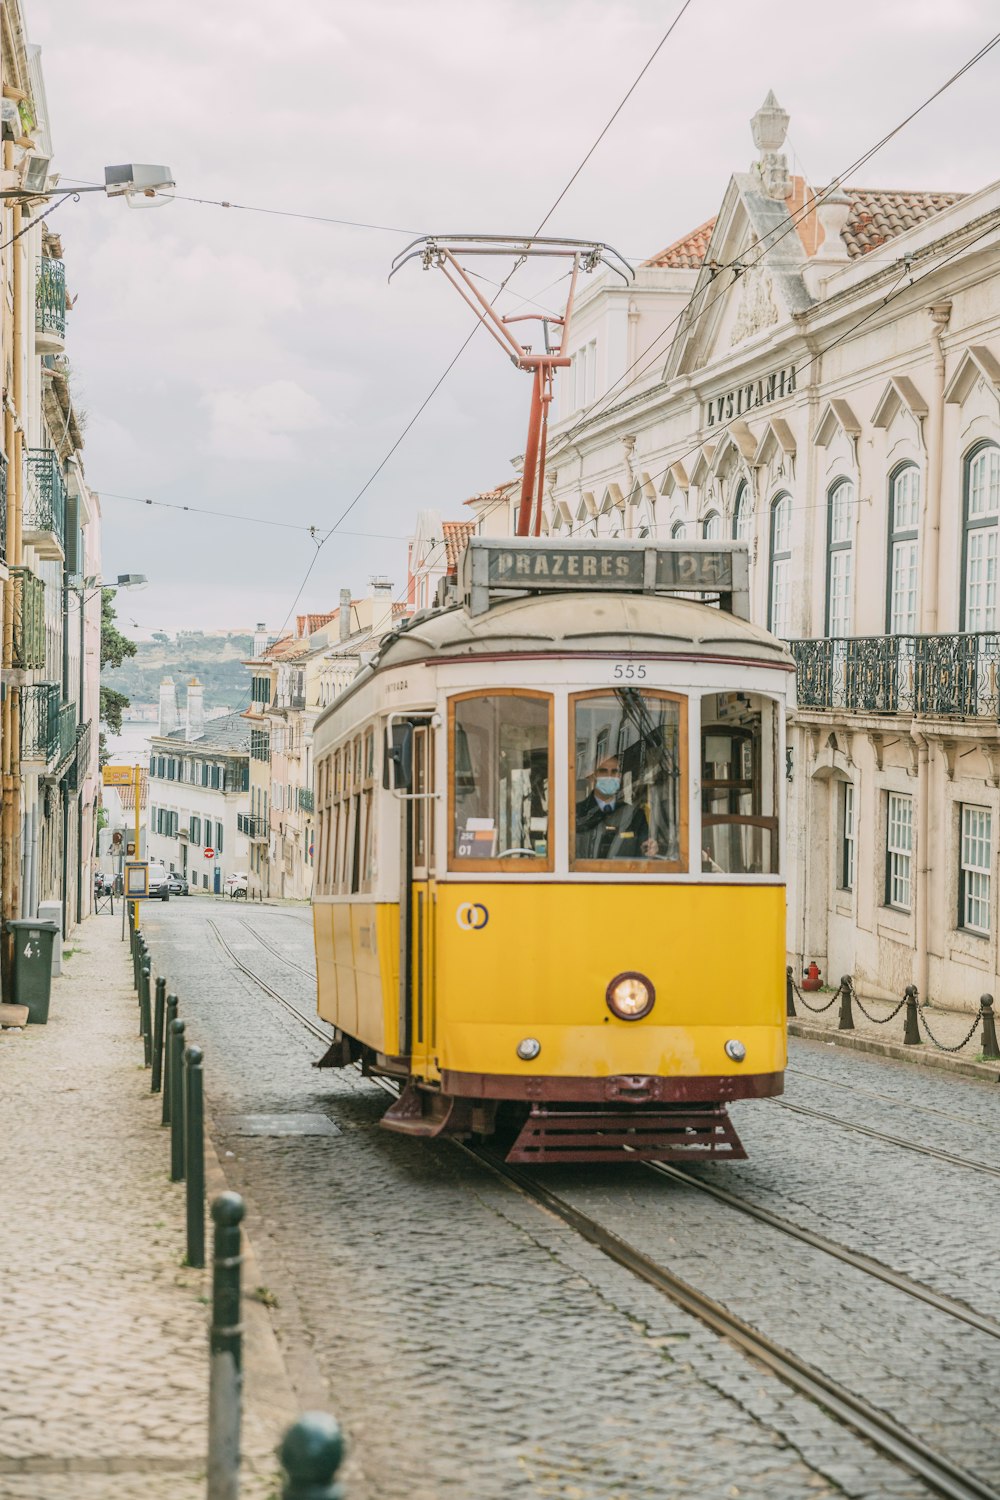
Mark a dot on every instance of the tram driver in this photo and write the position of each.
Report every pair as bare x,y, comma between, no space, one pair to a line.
608,827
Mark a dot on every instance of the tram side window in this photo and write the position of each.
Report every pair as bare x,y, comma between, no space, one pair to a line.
629,799
738,785
500,779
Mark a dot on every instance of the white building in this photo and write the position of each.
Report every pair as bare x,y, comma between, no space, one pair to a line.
199,781
822,380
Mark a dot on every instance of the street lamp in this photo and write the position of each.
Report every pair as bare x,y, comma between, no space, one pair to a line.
131,181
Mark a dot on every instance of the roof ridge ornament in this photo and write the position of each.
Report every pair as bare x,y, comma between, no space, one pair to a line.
769,128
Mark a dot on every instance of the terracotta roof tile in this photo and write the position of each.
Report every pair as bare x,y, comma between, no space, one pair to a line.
456,534
879,214
685,254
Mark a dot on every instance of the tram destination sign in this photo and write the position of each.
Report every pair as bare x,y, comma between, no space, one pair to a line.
493,568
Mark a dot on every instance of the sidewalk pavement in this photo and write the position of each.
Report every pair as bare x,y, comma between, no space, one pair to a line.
885,1036
104,1354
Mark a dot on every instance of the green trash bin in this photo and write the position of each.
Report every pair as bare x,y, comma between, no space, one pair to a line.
33,966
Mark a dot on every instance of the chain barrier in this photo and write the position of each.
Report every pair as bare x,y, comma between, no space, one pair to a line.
940,1045
878,1020
817,1010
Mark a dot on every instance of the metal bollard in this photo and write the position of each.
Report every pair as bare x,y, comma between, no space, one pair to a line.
911,1031
145,1019
989,1046
136,948
846,1022
789,993
194,1149
159,1010
225,1378
175,1043
311,1452
171,1016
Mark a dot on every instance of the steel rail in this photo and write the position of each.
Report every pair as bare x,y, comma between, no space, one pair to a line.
927,1109
865,1263
309,973
876,1427
887,1435
310,1025
893,1140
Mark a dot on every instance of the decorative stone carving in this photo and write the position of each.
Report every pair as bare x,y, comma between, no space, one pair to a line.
757,308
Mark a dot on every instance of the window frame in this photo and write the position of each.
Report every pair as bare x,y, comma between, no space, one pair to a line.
964,870
992,519
743,501
848,835
833,547
514,864
774,557
897,536
893,853
653,865
712,519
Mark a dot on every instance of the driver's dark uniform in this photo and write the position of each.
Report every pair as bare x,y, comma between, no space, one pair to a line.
617,832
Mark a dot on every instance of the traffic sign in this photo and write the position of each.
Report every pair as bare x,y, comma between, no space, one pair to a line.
118,775
209,853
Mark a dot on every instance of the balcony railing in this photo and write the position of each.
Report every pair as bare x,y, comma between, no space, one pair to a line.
40,721
306,799
29,619
260,745
50,305
256,829
76,773
951,676
66,727
45,503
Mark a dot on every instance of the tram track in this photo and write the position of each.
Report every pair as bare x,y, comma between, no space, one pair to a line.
883,1432
309,973
892,1140
927,1109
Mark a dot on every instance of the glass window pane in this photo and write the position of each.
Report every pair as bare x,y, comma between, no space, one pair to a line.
743,517
840,513
500,771
840,592
903,586
906,500
738,748
981,579
713,526
627,791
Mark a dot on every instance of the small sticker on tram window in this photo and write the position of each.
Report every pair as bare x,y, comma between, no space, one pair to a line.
629,671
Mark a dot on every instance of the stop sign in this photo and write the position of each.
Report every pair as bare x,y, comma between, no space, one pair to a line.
209,853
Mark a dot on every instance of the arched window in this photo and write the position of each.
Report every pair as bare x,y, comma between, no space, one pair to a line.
982,517
743,515
711,527
840,556
779,578
678,531
904,551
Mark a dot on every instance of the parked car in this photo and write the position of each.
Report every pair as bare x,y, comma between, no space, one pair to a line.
159,882
177,885
236,887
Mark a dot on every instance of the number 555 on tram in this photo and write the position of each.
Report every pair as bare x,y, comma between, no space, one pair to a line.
549,892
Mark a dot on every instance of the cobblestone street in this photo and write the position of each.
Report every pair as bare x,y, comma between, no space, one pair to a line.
470,1342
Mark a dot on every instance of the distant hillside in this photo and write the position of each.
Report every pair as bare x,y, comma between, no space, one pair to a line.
217,661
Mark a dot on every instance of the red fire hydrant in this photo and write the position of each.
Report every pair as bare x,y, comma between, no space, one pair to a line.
810,977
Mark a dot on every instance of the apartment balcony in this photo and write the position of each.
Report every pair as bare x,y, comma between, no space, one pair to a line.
29,620
935,676
50,307
40,725
76,773
45,504
256,829
305,799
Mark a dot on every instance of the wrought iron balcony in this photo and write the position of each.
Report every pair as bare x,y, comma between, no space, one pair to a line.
76,773
306,799
950,676
29,619
50,306
45,504
66,726
255,828
40,721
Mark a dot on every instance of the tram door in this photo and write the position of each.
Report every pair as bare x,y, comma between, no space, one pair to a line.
423,1014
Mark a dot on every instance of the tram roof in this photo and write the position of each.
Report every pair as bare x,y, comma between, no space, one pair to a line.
575,623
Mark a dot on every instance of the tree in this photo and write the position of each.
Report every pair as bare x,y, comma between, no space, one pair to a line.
115,647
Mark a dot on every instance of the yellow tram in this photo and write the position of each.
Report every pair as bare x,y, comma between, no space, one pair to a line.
549,890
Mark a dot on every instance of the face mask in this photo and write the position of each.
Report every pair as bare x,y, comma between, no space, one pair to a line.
609,786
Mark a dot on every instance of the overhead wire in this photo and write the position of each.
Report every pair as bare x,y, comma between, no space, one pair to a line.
230,515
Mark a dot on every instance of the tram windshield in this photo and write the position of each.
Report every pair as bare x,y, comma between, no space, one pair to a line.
500,771
738,784
628,795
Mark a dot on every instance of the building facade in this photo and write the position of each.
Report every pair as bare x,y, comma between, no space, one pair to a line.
199,782
49,538
819,377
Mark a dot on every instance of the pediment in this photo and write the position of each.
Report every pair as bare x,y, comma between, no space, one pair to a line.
977,363
675,478
777,437
899,394
612,499
703,464
738,442
837,417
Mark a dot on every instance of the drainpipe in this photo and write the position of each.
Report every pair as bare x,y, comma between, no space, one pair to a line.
920,932
10,893
930,534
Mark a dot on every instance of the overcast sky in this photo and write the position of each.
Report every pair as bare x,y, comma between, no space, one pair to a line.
262,365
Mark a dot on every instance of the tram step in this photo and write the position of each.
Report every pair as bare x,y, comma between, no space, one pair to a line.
586,1135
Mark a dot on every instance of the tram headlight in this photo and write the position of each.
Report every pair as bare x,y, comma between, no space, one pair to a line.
735,1051
630,996
529,1049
